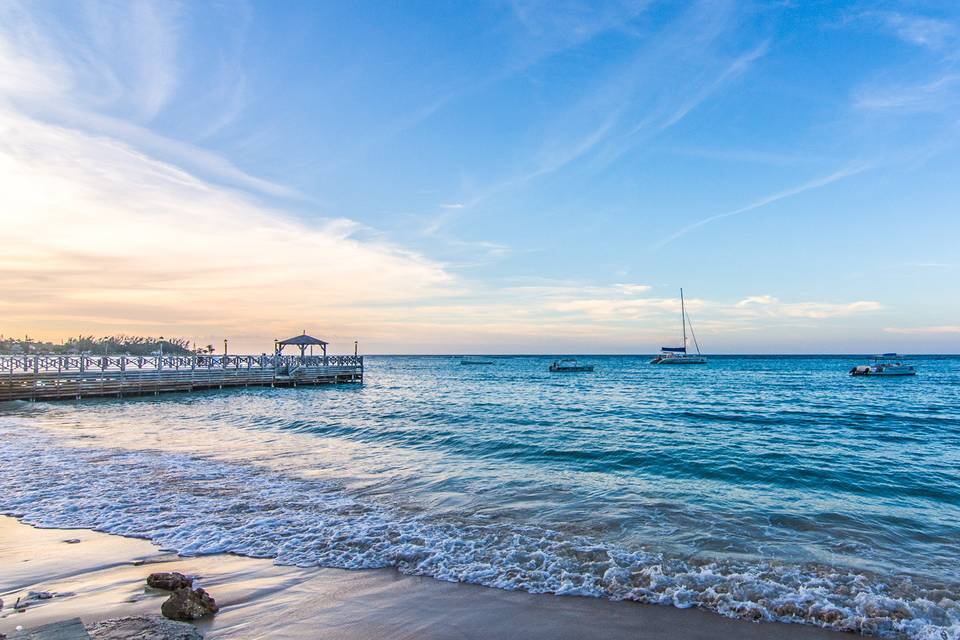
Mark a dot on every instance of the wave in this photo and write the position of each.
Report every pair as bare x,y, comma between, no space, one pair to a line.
195,505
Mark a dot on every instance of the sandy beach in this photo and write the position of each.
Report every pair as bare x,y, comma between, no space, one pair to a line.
102,576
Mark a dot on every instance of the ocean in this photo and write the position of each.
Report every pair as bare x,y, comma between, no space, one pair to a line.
767,488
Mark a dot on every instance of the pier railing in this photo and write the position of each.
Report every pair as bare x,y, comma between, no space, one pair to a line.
39,376
11,364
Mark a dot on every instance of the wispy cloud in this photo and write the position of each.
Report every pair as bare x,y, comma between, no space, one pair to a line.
61,80
178,250
940,94
768,200
632,289
923,31
672,71
234,102
152,26
942,329
736,68
770,306
556,27
548,30
757,156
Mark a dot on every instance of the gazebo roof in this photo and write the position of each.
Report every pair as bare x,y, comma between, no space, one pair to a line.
301,340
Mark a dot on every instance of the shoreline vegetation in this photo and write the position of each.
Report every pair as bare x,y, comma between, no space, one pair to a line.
96,576
105,345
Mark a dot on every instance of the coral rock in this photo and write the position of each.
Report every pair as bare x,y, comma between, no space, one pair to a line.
188,604
169,581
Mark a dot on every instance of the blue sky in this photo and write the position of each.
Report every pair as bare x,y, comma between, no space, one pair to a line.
505,176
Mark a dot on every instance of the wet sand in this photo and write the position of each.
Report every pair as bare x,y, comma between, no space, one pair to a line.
102,576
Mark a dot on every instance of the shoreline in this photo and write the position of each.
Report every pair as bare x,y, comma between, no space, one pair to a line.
102,576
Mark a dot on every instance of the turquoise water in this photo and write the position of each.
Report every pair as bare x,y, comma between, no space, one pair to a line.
772,488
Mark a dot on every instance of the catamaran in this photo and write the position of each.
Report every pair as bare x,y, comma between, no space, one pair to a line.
679,355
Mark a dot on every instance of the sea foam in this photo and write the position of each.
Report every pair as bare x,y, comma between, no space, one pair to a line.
195,505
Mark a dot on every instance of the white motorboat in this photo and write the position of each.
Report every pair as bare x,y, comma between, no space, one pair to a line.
569,365
887,364
679,355
475,360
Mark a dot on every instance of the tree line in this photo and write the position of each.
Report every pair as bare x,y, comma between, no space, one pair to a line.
112,345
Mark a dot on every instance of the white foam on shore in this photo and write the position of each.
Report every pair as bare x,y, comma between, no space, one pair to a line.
195,506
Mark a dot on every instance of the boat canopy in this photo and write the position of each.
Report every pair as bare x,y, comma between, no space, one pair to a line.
674,349
888,355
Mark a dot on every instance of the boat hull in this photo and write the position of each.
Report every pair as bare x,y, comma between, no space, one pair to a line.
676,360
883,373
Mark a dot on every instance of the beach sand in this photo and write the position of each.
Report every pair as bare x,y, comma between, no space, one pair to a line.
102,576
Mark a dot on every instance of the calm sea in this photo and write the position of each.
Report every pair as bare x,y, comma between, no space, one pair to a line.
759,487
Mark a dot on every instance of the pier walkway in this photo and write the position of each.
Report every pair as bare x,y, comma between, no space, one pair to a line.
60,377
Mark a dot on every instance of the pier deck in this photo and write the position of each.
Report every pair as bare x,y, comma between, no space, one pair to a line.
55,377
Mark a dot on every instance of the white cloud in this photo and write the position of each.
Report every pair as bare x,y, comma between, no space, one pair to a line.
96,233
768,305
632,289
757,300
617,309
751,309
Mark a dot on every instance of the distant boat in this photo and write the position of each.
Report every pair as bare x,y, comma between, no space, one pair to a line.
887,364
569,365
475,360
679,355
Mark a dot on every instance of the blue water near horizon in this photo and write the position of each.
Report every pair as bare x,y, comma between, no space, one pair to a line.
765,487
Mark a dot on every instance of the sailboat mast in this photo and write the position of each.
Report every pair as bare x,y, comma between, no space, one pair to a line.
683,320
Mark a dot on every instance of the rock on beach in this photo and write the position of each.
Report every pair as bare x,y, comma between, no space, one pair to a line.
143,627
170,581
189,604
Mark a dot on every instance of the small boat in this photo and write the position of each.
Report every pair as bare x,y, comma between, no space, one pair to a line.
887,364
569,365
679,355
475,360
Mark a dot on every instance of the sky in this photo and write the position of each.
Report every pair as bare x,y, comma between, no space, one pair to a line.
489,177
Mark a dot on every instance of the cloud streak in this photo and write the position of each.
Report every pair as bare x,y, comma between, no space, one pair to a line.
937,330
823,181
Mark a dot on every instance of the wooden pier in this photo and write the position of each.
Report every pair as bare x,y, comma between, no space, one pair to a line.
56,377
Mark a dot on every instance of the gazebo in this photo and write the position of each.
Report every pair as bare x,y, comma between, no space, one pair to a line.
302,341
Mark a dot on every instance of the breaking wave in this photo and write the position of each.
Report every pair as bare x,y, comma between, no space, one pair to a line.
195,505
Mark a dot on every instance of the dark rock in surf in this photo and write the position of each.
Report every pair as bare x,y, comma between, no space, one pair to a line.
189,604
152,627
170,581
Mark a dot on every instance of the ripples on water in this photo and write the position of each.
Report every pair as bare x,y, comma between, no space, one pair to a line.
774,488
